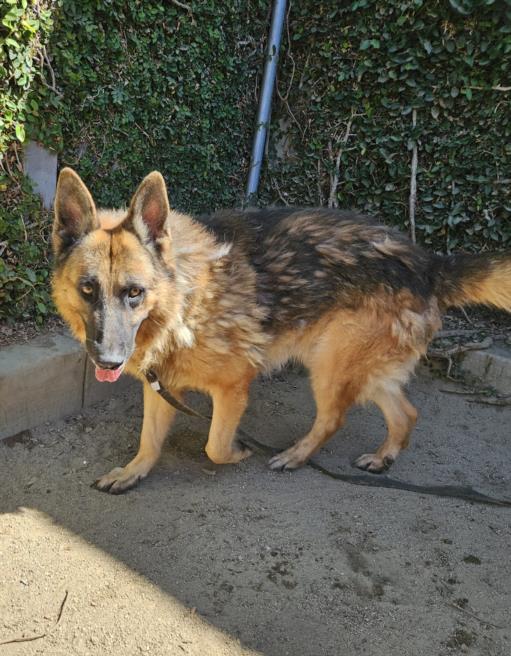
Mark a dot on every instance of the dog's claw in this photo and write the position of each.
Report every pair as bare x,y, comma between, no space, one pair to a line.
116,489
287,460
118,481
370,462
277,466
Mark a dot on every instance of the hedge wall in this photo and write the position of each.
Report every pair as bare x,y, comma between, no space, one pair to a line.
354,77
152,85
137,85
26,87
122,87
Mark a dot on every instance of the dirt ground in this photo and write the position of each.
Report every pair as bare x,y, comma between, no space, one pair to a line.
209,560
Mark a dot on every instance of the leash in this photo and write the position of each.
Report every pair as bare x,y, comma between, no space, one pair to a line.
465,493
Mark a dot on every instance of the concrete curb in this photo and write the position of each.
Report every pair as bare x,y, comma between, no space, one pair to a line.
490,367
46,379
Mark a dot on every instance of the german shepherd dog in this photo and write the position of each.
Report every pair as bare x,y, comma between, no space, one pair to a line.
208,303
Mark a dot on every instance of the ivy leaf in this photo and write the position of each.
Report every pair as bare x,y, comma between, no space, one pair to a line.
31,275
459,7
20,132
370,43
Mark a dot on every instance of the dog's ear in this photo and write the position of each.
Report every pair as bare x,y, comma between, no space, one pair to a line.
149,209
75,212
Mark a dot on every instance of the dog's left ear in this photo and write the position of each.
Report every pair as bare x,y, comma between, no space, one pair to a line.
149,209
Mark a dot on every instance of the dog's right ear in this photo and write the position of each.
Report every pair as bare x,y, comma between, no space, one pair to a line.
75,212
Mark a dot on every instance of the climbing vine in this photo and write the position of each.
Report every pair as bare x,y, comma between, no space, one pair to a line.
364,84
372,96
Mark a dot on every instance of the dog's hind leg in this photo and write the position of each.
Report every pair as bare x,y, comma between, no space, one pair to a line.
336,381
365,365
332,402
158,416
400,416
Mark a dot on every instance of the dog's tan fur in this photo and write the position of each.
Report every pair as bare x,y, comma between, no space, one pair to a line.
203,325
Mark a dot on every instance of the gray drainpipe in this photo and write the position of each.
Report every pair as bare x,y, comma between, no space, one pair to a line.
264,111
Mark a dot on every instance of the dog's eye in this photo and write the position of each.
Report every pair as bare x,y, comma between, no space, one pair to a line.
87,289
135,291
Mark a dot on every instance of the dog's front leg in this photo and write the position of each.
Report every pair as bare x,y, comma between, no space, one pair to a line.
158,416
229,404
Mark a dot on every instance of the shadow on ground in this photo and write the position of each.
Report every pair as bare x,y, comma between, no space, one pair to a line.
241,560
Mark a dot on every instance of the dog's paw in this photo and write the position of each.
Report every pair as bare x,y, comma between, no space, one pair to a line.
240,452
372,463
237,453
119,480
291,458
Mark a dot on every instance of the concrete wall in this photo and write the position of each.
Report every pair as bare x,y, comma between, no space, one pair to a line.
48,378
40,166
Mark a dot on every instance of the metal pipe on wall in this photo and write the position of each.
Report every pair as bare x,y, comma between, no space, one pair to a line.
264,111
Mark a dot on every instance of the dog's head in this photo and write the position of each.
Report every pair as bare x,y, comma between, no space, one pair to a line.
112,268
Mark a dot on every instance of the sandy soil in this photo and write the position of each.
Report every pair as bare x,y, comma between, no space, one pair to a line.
209,560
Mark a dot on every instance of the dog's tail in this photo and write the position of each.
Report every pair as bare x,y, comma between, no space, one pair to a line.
465,279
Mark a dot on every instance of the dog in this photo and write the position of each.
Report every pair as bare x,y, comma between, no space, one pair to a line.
209,302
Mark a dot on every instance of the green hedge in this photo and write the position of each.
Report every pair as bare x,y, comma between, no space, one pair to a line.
26,86
150,85
140,86
24,249
25,27
123,87
377,62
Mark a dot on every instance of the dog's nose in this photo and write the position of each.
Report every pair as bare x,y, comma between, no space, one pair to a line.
104,364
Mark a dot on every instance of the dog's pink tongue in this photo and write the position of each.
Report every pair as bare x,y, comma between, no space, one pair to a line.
108,375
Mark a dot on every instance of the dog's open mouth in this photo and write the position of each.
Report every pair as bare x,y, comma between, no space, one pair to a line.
108,375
